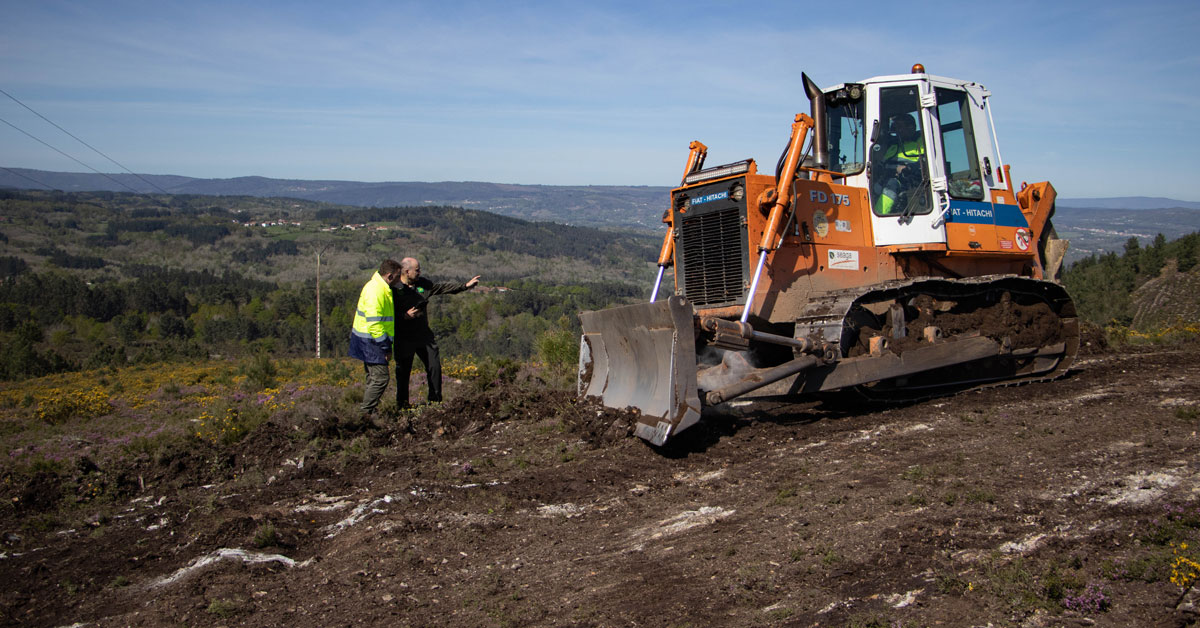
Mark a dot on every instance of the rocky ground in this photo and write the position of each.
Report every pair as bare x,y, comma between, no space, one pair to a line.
1055,504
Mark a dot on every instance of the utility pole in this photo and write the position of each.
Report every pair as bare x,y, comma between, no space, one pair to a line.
320,250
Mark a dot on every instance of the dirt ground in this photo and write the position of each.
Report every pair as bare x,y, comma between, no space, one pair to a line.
519,507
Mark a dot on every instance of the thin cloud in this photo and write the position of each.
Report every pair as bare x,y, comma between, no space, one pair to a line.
438,87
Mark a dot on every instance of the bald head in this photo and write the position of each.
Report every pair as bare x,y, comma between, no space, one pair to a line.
410,269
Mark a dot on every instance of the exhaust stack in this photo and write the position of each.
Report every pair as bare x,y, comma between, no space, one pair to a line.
816,99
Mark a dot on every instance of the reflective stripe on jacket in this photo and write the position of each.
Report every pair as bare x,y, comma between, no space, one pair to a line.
374,322
906,151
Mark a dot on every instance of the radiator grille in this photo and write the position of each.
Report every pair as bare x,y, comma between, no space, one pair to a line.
713,257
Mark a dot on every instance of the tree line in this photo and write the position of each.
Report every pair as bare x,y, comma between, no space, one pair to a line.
54,321
465,227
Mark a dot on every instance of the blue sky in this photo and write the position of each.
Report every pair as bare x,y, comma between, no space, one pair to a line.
1101,98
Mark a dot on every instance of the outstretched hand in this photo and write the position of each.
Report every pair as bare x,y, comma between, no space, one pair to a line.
472,282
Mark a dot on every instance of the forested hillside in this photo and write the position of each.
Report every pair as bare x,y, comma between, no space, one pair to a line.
1108,289
104,279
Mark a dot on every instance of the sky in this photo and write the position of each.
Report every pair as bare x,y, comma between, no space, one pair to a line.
1101,98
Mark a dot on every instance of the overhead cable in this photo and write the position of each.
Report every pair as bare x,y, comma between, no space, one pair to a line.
94,149
31,136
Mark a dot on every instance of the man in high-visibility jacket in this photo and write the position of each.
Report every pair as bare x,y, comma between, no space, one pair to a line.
905,153
374,330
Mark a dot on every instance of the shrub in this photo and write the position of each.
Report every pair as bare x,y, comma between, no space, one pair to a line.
260,373
227,426
461,366
224,608
58,406
265,536
558,348
1093,599
1185,571
494,371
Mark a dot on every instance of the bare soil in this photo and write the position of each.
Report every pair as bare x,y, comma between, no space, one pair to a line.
518,506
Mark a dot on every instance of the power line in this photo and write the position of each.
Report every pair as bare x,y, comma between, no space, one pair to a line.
96,150
31,136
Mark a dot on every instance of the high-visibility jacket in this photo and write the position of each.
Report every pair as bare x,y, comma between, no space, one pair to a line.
904,153
374,322
910,151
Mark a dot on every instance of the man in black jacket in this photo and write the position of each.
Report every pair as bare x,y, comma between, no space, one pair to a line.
413,335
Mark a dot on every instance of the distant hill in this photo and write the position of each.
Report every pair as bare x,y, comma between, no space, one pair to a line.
629,207
1127,202
1094,225
1097,230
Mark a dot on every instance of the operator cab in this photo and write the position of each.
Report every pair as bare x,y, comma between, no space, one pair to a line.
920,144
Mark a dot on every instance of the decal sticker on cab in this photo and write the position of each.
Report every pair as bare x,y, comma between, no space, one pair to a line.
843,260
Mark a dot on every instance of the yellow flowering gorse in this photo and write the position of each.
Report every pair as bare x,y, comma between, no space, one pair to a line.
1184,570
1179,328
57,405
210,400
218,429
461,367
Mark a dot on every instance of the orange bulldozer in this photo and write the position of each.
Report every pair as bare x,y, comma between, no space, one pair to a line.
889,253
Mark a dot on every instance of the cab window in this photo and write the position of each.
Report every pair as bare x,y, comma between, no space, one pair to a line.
958,144
899,171
847,142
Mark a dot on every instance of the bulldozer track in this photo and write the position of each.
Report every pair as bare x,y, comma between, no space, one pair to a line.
896,396
822,320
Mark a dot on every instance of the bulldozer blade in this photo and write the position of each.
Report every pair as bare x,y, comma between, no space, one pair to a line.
643,356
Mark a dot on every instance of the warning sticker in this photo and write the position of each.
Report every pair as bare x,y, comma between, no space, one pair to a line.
820,223
1023,239
843,260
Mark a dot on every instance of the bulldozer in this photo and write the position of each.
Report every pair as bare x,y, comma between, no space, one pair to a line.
889,253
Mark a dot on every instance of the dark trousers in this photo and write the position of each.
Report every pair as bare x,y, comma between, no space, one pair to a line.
428,352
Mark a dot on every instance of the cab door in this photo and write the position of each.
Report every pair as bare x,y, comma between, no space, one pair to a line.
905,173
975,221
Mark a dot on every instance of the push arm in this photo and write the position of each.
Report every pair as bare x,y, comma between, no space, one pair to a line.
781,196
696,154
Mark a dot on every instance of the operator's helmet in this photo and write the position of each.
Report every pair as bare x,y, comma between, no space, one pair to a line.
903,124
